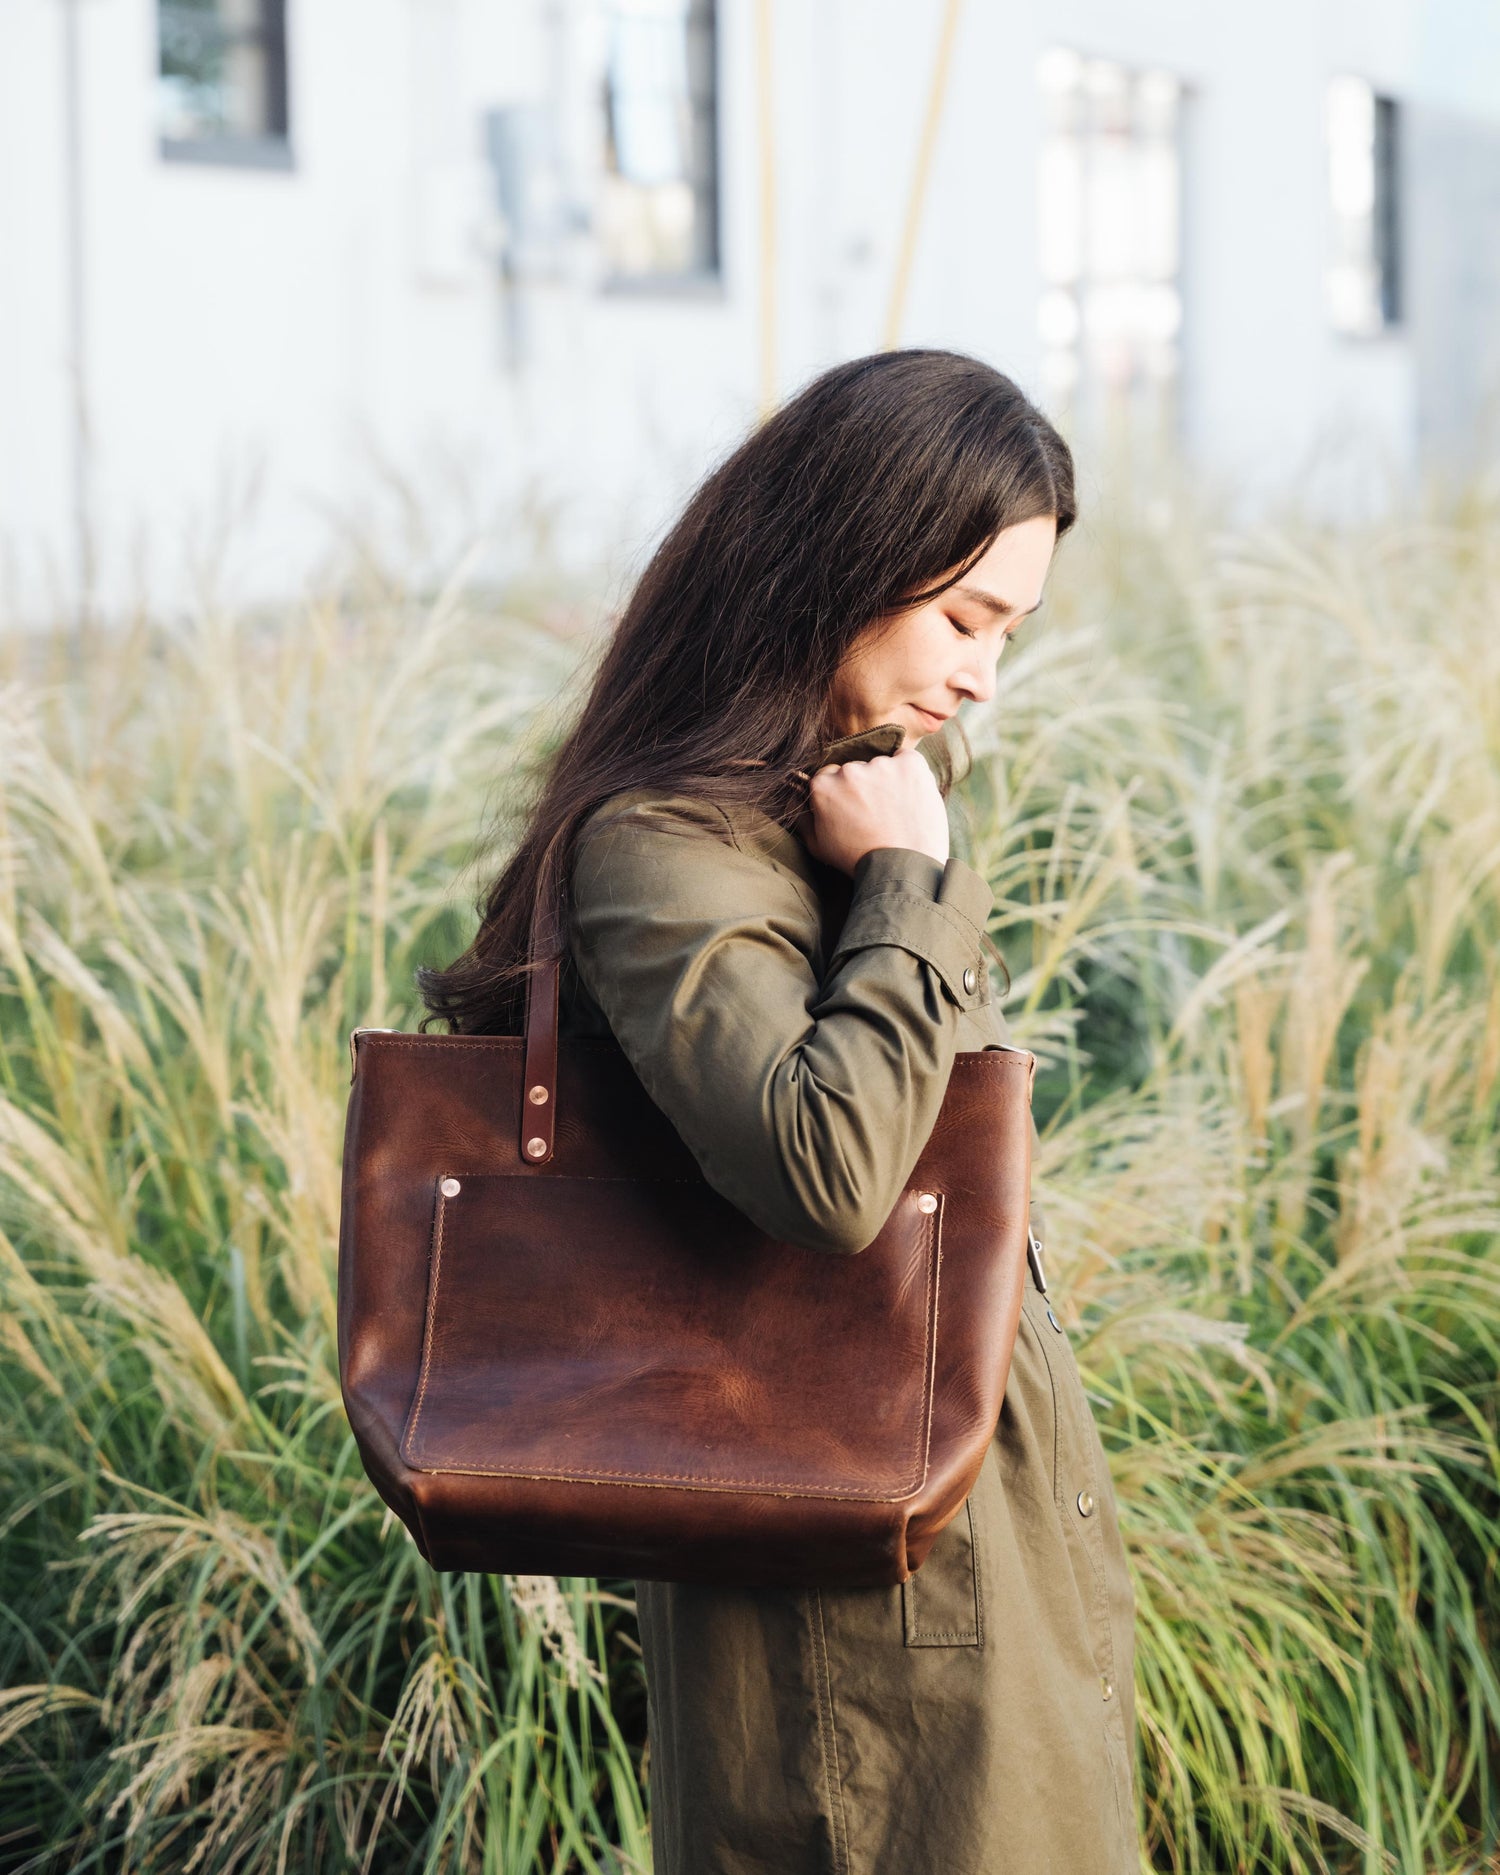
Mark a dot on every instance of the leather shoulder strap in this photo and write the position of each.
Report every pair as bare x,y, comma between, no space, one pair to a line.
539,1073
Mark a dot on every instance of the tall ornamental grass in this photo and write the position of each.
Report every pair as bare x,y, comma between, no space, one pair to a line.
1239,795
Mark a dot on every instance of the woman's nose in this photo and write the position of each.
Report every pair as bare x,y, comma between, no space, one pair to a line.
977,680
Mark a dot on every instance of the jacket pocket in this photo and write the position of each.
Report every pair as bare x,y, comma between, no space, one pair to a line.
942,1604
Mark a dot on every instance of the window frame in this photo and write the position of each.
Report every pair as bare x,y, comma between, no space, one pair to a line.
704,281
270,149
1384,221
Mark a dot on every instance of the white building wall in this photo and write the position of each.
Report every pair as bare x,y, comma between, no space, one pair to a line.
36,495
312,338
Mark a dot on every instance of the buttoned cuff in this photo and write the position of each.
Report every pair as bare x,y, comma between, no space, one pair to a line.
936,911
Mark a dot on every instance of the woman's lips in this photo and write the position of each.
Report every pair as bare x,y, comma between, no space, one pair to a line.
931,715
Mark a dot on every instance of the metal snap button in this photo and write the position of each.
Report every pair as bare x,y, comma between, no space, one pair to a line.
1106,1686
537,1096
1053,1319
1085,1503
536,1147
450,1188
970,979
926,1201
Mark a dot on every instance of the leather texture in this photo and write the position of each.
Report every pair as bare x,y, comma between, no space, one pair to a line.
563,1352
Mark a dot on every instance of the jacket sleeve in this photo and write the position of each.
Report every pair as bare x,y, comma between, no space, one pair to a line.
805,1102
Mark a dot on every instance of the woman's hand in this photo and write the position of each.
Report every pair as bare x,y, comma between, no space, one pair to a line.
888,800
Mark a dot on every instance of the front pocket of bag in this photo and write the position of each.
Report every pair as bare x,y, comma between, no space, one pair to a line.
635,1332
941,1603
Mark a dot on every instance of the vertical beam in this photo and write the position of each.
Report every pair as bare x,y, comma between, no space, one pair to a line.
936,93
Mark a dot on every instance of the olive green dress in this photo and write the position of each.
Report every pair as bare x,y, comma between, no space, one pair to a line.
798,1028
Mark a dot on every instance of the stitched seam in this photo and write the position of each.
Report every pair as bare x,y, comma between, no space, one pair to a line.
1093,1538
929,1352
469,1041
799,1487
1041,1341
921,1437
1090,1536
594,1178
964,1637
629,1482
832,1776
952,979
956,921
409,1436
904,939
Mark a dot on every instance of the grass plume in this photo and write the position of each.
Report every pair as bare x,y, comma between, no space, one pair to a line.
1239,795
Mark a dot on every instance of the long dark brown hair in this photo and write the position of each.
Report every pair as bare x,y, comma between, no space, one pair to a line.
880,477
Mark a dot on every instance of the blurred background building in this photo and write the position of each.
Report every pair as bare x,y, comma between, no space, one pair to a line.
275,269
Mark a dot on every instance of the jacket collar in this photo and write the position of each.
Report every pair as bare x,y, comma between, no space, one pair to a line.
883,739
782,842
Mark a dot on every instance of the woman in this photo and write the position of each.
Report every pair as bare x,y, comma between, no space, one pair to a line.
761,906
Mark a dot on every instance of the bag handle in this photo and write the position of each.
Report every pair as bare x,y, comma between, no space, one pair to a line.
539,1070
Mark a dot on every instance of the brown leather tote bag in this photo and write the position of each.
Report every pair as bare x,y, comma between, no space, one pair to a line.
564,1353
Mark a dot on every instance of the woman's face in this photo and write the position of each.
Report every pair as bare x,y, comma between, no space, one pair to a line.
916,667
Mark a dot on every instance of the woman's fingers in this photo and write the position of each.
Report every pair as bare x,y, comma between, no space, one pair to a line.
887,800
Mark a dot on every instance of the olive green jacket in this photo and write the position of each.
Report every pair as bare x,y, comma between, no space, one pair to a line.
798,1028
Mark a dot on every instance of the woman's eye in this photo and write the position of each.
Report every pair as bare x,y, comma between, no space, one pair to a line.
962,628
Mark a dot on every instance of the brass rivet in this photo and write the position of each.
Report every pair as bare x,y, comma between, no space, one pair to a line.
536,1147
537,1096
1085,1503
970,980
926,1202
450,1188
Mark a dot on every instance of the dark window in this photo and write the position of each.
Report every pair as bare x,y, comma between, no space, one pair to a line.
222,81
1387,193
659,218
1364,186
